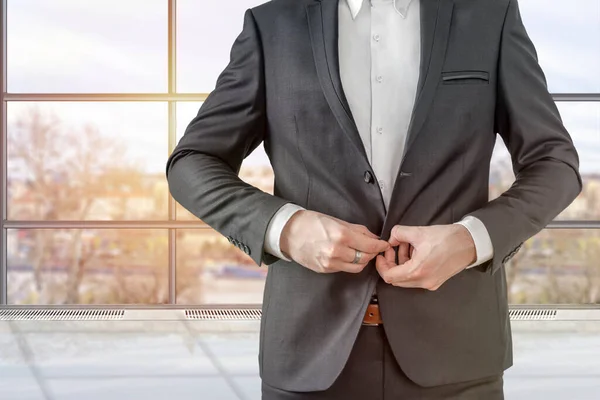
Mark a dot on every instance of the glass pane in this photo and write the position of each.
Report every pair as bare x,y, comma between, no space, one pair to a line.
256,168
87,266
567,39
87,46
87,161
206,31
583,123
557,266
210,270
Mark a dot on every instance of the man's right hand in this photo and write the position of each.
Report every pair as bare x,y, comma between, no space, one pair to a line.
326,244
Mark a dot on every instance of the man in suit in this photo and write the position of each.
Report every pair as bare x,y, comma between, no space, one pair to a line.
386,258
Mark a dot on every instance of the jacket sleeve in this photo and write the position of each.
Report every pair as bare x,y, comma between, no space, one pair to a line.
202,171
544,159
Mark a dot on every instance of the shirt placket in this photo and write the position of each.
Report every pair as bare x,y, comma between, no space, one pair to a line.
378,81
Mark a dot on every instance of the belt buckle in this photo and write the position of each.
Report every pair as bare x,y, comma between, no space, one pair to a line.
370,324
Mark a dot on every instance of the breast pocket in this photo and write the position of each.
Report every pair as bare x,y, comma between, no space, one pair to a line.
465,77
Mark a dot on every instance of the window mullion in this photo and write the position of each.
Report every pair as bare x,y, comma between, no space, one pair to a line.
172,71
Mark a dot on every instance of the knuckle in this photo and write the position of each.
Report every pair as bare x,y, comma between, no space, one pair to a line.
432,287
416,274
332,251
329,252
339,238
429,284
334,236
358,268
373,247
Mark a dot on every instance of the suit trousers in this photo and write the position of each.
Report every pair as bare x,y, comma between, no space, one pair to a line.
372,373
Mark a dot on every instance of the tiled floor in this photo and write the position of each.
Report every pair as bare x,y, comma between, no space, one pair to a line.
193,360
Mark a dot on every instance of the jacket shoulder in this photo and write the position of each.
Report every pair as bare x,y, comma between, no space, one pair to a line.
280,5
277,7
490,3
275,15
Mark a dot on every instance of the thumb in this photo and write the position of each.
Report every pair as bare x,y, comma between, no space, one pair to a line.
403,234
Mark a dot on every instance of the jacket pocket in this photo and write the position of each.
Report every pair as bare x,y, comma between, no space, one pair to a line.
465,77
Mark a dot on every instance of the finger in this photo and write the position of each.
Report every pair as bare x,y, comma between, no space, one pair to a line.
405,275
364,243
390,255
356,227
364,230
403,252
383,266
346,254
408,284
408,234
341,266
387,261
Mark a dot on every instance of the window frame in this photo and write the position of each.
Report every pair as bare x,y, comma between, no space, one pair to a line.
172,97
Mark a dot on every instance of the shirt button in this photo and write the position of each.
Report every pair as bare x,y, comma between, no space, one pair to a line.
381,185
379,78
380,130
376,37
369,177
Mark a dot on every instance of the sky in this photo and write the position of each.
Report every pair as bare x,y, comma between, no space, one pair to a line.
111,46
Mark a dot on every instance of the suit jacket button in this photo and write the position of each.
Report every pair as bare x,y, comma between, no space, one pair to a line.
369,177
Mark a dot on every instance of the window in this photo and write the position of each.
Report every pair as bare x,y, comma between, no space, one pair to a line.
70,46
97,93
567,40
560,264
204,40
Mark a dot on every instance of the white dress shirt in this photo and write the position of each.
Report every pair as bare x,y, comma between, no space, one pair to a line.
379,56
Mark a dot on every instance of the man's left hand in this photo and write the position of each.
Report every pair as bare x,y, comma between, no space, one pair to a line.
438,253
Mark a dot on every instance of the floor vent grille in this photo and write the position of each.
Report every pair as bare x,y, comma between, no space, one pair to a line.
22,314
224,314
532,315
220,314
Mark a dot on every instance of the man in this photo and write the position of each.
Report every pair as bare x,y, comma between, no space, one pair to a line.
386,258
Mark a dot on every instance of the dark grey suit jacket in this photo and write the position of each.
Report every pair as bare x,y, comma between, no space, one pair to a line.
479,76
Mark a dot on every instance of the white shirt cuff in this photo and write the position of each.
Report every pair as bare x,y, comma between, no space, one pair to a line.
481,237
276,225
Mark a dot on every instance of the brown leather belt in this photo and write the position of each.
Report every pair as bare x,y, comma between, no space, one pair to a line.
372,316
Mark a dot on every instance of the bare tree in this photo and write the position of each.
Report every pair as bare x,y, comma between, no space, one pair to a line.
67,172
590,248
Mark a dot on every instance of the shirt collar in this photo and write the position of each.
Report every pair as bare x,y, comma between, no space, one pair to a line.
401,6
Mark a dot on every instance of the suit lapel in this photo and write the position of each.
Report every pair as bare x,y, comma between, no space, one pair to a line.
323,25
436,16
